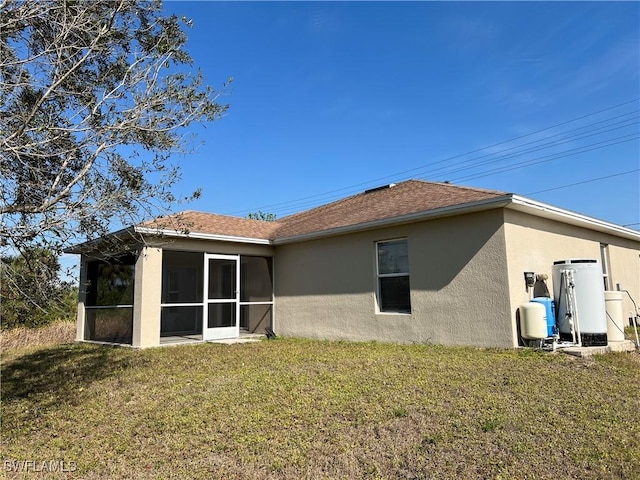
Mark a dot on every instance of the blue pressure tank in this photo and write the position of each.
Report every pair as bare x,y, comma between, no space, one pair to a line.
551,315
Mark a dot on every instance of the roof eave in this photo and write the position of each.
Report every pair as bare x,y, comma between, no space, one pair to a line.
200,236
91,245
539,209
486,204
514,202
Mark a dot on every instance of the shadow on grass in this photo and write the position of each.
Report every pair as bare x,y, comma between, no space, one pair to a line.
60,374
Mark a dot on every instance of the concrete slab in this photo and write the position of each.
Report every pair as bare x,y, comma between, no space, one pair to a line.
625,346
232,341
243,338
586,352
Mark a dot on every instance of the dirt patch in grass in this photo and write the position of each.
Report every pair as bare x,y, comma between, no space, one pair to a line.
63,331
303,409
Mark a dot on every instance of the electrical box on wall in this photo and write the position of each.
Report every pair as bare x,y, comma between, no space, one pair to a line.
529,279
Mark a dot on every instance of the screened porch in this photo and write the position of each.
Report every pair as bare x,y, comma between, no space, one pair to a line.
208,296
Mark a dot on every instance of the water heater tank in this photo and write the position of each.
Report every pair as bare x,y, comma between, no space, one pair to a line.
615,316
588,300
533,321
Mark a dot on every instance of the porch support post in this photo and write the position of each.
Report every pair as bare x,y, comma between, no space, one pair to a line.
82,298
146,298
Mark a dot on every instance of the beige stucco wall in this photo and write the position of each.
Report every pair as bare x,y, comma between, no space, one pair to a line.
459,288
146,298
625,270
534,243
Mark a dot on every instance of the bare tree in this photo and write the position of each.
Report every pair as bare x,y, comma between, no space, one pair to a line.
94,98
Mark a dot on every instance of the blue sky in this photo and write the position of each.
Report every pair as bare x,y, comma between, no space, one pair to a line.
331,98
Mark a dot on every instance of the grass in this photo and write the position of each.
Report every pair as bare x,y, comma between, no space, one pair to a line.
62,331
305,409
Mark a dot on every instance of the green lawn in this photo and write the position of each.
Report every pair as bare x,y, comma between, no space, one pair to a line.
304,409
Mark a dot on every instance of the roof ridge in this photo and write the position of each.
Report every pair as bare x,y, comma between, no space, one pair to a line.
466,187
211,214
404,182
359,194
324,205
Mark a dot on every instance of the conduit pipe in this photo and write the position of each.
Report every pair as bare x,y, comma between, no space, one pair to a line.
635,317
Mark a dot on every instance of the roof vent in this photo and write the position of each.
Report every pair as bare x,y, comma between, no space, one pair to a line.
380,188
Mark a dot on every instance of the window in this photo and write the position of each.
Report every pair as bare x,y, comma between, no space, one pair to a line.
604,254
393,276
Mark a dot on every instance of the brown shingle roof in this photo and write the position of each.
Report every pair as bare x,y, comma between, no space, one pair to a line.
200,222
412,196
404,198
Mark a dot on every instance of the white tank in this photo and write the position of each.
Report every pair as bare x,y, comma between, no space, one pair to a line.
588,299
615,316
533,321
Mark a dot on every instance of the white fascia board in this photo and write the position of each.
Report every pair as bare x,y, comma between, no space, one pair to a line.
200,236
463,208
539,209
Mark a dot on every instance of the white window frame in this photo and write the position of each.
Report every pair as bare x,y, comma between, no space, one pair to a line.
606,267
387,275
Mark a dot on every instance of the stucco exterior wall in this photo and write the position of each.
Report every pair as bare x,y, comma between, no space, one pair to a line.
326,288
625,270
534,243
146,300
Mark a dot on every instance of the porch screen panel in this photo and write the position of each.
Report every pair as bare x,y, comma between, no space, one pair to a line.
256,317
182,293
113,325
179,320
256,279
182,275
256,293
109,300
110,282
222,279
221,315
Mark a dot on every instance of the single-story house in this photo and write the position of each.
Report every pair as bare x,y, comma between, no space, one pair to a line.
409,262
